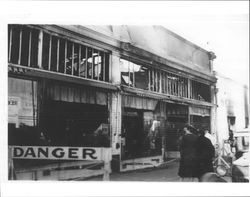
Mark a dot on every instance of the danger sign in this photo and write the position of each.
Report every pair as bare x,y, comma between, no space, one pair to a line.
62,153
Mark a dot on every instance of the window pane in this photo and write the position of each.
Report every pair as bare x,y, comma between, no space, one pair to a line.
34,48
61,55
96,64
25,46
200,91
106,56
22,102
89,62
69,58
102,68
53,53
45,53
141,77
15,44
131,73
83,70
125,80
76,60
9,39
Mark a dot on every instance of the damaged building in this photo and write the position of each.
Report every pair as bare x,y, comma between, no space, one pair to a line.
131,88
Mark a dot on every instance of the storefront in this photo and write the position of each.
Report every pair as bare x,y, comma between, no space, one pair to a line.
140,127
67,115
156,104
72,85
58,93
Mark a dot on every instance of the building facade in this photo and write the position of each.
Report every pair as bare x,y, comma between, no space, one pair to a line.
233,106
130,88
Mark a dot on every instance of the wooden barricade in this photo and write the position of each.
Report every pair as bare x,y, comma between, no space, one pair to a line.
88,162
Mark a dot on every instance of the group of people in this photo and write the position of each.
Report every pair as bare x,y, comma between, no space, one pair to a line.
196,154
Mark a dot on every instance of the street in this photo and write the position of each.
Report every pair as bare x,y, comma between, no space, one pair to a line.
168,173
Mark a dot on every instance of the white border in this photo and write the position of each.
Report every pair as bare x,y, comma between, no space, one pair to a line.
101,13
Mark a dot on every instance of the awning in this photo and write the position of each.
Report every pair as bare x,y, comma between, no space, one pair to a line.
199,111
76,94
139,102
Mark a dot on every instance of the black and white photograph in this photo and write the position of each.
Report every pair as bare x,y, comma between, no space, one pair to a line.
159,98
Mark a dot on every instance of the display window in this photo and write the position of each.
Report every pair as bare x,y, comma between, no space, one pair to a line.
67,115
22,112
75,124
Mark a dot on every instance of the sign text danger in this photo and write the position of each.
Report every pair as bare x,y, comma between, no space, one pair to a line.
62,153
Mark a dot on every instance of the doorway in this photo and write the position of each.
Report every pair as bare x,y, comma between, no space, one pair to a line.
132,133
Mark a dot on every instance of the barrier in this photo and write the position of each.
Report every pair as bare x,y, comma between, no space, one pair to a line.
83,158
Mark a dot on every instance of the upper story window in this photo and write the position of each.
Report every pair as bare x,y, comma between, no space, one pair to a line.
134,75
36,48
152,79
200,91
156,80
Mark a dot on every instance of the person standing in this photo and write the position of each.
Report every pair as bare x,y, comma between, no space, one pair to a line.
204,155
187,153
210,137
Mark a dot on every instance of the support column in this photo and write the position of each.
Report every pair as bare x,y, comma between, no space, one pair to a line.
115,113
115,117
213,111
115,71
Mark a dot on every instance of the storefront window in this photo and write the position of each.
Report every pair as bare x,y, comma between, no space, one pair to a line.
75,116
75,124
69,115
22,112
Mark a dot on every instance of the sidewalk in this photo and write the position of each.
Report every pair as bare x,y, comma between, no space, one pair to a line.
168,173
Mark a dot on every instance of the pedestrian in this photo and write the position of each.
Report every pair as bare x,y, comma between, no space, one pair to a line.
210,137
204,155
187,153
232,141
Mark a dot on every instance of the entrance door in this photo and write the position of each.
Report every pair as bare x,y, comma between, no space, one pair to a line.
132,134
177,117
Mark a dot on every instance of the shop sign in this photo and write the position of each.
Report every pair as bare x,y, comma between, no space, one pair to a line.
60,153
13,109
13,103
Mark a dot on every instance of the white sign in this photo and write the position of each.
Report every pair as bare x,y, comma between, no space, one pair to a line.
13,109
60,153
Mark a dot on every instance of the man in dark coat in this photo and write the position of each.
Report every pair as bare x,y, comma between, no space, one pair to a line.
187,153
204,155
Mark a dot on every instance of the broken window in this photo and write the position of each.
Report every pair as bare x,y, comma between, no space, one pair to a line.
28,46
200,91
153,79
